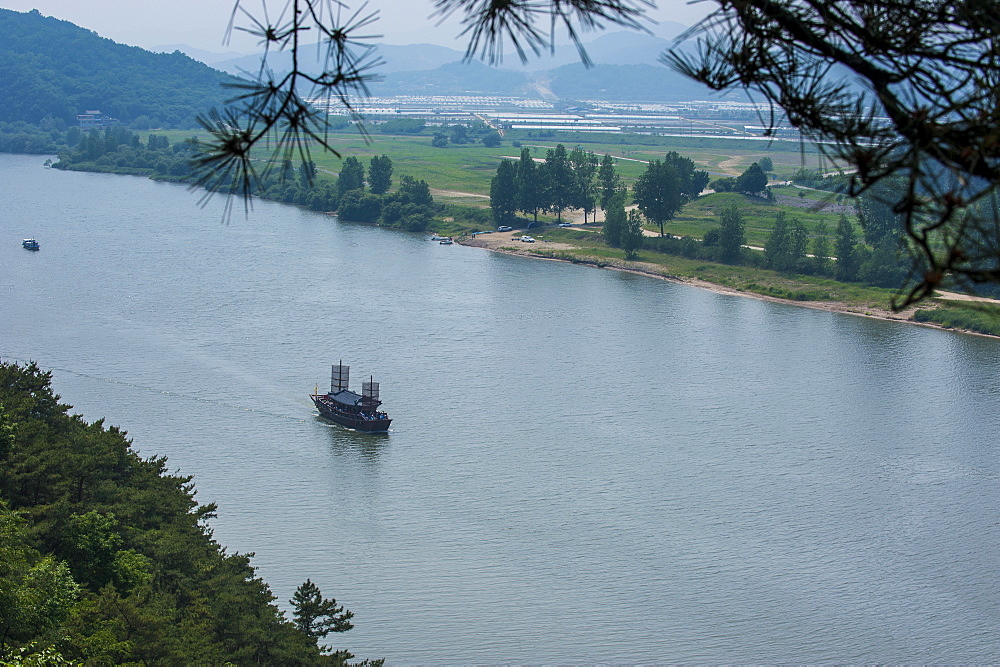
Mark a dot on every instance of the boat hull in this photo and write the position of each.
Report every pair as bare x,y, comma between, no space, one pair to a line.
351,421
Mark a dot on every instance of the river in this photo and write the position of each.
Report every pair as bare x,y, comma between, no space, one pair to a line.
584,466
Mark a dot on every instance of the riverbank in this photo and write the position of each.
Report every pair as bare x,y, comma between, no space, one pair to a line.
505,242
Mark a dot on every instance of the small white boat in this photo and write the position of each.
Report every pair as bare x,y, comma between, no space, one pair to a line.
30,244
440,238
446,241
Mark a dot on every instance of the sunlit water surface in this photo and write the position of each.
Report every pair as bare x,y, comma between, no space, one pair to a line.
584,466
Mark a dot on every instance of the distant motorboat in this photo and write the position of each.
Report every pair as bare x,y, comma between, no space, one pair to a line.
446,241
440,238
30,244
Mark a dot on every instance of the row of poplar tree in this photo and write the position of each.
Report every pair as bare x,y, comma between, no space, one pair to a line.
577,180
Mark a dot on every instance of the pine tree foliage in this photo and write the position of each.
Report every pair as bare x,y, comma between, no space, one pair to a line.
105,557
894,89
316,616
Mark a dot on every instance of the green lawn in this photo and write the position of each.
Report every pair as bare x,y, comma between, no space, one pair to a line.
702,214
470,168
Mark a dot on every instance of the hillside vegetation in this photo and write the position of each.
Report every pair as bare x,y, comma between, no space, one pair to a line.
55,69
105,557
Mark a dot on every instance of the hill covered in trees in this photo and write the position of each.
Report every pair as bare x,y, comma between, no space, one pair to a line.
105,557
54,69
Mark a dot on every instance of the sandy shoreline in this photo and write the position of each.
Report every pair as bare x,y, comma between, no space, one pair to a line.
510,244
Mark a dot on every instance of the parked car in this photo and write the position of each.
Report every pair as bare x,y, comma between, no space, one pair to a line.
505,228
527,239
565,224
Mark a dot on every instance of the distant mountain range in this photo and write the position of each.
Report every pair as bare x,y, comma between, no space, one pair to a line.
54,69
626,69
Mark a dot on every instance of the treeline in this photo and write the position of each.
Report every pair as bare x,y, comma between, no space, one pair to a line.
753,181
105,556
121,151
353,195
575,180
410,207
563,181
42,139
52,69
876,257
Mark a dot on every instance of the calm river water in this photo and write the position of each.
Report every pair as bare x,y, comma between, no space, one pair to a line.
585,466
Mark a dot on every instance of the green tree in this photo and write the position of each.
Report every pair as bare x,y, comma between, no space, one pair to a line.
798,245
609,179
459,134
37,592
658,194
731,234
168,593
614,221
584,165
724,184
529,197
440,140
766,164
91,541
821,249
503,193
380,174
307,173
558,181
882,225
632,234
414,191
692,181
752,181
846,249
776,247
316,616
352,176
491,139
360,206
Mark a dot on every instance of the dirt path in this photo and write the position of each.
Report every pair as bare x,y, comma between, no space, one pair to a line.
955,296
455,194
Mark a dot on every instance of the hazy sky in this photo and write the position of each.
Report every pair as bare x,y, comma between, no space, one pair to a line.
202,23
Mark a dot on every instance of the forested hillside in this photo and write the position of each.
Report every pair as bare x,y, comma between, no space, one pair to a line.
105,557
53,68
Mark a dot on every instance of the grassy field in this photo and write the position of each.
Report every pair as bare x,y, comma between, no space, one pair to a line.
469,168
702,214
590,249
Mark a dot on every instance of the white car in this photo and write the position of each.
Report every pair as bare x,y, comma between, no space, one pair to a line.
527,239
505,228
565,224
